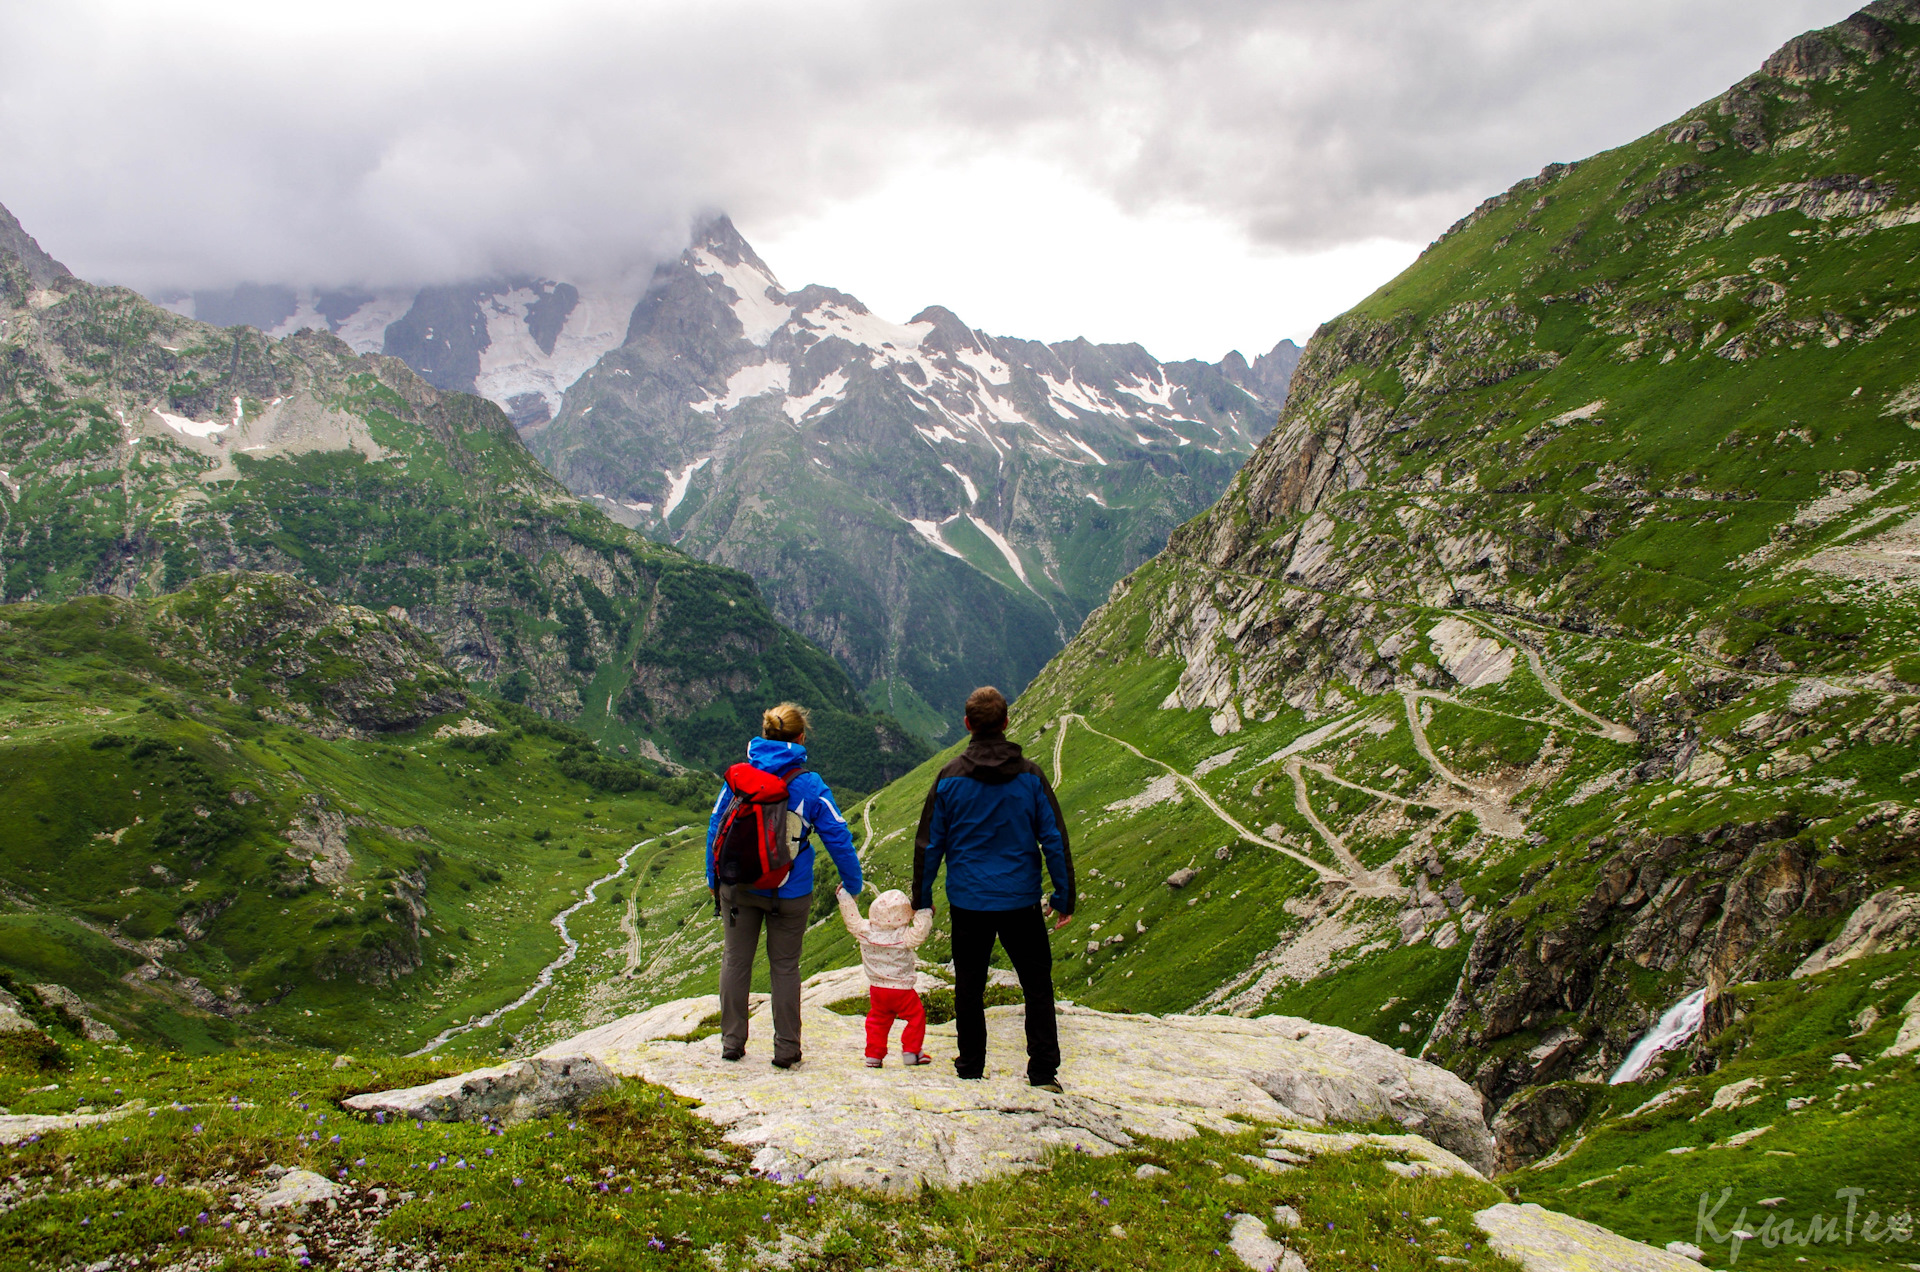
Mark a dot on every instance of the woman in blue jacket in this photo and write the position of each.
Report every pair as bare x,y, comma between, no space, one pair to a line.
782,912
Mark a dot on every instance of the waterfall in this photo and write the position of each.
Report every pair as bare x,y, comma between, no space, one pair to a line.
1679,1023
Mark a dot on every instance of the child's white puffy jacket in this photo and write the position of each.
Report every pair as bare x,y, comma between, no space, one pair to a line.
888,936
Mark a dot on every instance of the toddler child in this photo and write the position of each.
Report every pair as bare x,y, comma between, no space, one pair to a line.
888,938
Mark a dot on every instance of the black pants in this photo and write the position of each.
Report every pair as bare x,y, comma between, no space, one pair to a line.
1023,934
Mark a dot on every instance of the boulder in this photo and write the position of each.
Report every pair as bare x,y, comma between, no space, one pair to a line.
298,1189
1542,1240
12,1018
1907,1041
1252,1246
1182,877
525,1089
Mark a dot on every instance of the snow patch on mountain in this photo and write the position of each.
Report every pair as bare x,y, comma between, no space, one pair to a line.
930,531
748,382
829,390
678,484
973,495
513,362
760,315
854,324
366,327
1006,550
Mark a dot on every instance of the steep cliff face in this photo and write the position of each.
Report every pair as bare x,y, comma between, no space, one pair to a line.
1557,654
140,449
936,506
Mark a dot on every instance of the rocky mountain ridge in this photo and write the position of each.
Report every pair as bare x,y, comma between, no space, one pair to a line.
934,505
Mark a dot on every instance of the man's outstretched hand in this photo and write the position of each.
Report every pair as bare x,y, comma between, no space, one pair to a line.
1059,920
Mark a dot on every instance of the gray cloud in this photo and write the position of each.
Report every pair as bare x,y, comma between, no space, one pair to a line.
353,142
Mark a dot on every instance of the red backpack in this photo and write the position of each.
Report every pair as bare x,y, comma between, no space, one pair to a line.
754,847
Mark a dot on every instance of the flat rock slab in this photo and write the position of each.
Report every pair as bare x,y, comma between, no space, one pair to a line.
15,1127
506,1093
834,1120
1542,1240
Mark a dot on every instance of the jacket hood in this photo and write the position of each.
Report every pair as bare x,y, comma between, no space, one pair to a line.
775,757
989,757
890,909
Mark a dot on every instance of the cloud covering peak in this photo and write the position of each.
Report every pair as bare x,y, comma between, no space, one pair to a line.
203,144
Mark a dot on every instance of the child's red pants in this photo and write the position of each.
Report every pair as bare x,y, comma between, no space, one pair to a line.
888,1005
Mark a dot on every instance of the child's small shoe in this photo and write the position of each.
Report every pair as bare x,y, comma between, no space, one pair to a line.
874,1062
912,1058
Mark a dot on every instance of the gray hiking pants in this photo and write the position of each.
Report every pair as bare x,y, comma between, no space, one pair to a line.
785,921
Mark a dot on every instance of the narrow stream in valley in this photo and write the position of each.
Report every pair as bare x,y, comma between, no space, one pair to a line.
545,978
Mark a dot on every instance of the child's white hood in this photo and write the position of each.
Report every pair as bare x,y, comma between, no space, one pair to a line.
890,909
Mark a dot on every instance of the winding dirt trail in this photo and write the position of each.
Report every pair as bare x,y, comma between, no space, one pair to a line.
1490,806
1326,771
1321,868
1303,804
632,929
1612,730
547,973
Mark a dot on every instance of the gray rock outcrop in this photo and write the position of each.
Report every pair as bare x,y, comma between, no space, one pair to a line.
1127,1078
66,1000
507,1093
1886,921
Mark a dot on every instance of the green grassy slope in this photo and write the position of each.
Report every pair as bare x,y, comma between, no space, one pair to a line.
232,814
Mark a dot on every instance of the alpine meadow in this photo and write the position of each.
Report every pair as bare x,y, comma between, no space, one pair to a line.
1489,746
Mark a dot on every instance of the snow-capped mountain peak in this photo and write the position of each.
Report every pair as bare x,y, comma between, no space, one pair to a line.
838,455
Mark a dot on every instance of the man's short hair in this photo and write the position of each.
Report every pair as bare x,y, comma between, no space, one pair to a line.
987,710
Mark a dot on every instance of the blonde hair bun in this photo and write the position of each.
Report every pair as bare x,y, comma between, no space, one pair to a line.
784,723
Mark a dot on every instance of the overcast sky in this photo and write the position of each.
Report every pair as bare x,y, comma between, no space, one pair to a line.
1194,175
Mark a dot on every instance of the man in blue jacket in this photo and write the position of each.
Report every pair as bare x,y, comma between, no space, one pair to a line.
782,911
992,818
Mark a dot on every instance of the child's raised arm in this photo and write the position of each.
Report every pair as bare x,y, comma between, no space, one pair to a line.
850,915
922,928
